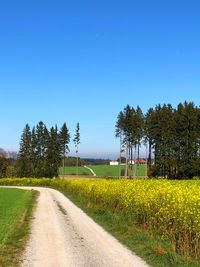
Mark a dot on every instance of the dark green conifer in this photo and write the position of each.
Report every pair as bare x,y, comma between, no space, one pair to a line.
64,142
24,158
76,141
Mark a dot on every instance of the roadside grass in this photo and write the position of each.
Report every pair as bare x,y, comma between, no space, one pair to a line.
71,170
61,208
16,207
109,170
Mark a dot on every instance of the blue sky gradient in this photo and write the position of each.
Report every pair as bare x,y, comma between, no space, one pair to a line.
70,61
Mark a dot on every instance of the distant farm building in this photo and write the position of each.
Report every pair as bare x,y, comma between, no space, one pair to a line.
114,163
136,161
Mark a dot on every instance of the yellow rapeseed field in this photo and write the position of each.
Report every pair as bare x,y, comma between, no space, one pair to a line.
170,208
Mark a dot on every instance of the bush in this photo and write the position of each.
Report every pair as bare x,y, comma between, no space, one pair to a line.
3,166
196,178
149,172
10,172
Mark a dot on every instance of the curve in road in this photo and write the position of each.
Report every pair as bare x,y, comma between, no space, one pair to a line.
94,174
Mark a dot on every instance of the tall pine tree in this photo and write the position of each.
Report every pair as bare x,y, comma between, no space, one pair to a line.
76,141
64,142
24,163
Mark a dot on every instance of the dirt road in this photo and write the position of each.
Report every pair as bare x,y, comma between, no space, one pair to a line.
94,174
63,235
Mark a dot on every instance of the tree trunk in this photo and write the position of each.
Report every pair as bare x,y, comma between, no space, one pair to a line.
77,161
63,167
135,163
149,159
138,161
129,156
146,163
126,157
120,155
131,161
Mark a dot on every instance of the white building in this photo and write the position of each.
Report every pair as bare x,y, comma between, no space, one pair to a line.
114,163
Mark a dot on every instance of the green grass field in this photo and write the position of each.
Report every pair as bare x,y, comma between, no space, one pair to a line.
107,170
100,170
72,171
15,210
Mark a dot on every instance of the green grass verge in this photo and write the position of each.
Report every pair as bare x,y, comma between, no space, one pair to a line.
15,213
61,208
72,171
109,170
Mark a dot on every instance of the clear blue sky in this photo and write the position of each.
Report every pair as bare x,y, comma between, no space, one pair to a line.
69,61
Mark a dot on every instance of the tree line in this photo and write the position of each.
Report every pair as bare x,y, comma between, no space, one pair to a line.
92,161
7,163
72,161
42,151
171,135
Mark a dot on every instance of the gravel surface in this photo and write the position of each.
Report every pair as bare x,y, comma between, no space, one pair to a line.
94,174
63,235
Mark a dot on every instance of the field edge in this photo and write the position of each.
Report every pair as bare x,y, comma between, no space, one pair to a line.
11,253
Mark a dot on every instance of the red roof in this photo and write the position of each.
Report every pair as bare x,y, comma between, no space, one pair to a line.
140,160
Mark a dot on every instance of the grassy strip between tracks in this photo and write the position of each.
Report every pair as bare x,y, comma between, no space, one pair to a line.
146,243
16,206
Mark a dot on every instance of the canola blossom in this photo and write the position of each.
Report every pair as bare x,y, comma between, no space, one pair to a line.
171,208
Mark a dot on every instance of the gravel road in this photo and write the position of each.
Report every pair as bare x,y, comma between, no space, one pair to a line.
71,239
94,174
